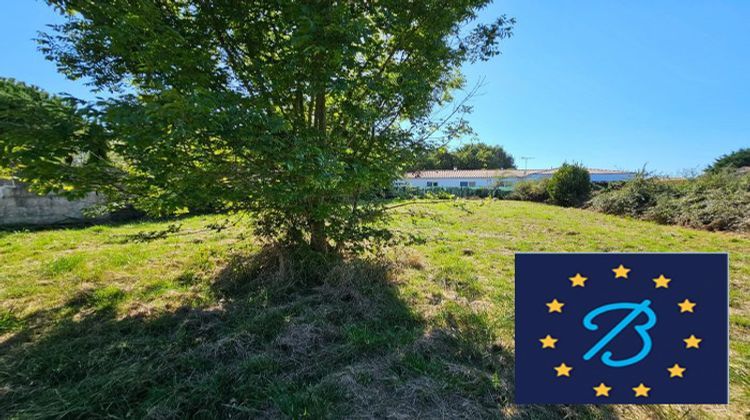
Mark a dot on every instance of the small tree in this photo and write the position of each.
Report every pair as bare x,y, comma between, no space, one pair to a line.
298,111
736,159
570,185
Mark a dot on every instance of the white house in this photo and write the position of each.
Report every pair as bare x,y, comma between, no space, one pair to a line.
495,178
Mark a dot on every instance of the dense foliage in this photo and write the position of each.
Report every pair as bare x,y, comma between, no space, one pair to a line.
468,156
631,198
713,201
298,111
531,191
44,138
736,159
570,185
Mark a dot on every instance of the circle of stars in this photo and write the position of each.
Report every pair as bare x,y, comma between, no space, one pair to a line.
603,390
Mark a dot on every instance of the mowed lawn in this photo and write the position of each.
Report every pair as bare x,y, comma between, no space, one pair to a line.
146,320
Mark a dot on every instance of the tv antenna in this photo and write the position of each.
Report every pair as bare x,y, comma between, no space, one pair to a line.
525,160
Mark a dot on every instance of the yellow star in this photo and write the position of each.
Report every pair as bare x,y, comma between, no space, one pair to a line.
621,272
641,390
686,306
602,390
676,370
555,306
662,281
692,342
548,342
563,370
578,280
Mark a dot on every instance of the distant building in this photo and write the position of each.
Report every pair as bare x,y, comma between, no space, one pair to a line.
495,178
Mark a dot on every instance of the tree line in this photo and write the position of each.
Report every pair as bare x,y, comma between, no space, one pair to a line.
467,156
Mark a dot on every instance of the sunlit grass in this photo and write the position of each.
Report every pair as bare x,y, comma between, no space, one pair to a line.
115,320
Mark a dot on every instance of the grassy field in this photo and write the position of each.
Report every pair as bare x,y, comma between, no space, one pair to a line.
146,320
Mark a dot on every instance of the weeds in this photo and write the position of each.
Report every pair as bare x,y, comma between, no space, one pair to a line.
713,201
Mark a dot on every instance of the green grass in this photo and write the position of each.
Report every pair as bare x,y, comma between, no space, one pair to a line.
119,321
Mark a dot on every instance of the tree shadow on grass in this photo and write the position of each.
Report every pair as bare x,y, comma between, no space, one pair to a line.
283,336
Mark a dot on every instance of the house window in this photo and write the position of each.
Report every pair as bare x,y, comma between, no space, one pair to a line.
467,184
432,184
472,184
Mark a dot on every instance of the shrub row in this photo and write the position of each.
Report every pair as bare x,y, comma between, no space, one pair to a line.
445,192
713,201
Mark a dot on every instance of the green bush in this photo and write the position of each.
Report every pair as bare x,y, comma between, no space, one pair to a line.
665,210
631,198
570,185
713,201
530,191
716,201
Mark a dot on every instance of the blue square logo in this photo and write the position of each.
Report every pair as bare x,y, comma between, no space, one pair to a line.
622,328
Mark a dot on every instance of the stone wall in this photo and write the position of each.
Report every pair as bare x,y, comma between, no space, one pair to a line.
18,206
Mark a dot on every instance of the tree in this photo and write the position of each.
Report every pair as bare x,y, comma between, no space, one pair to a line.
433,158
43,138
483,156
468,156
570,185
736,159
299,111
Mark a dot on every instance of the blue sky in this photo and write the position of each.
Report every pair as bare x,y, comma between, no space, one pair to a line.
611,84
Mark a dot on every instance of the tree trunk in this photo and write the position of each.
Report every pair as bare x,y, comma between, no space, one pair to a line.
320,114
318,239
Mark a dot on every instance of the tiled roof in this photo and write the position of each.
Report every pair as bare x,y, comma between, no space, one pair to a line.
472,173
496,173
